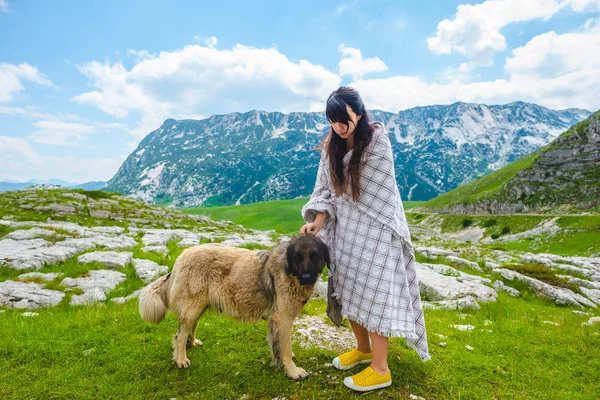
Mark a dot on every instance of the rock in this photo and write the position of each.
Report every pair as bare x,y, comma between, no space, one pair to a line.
32,233
89,297
160,237
449,271
77,196
110,259
560,296
62,209
100,214
147,270
108,230
585,266
28,295
502,256
320,290
88,351
492,264
189,242
313,331
466,263
551,323
415,397
106,280
38,275
458,304
121,300
163,250
592,294
592,321
464,328
14,253
487,322
30,314
433,252
115,243
499,285
472,234
443,344
469,348
437,287
580,312
581,282
441,336
36,253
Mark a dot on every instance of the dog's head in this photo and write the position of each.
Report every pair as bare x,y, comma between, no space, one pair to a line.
306,256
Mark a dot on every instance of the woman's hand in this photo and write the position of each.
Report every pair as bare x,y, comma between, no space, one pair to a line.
314,227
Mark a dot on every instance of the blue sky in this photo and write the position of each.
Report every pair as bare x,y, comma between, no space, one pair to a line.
82,82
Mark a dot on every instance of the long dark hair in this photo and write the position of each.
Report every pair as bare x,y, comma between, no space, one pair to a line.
336,146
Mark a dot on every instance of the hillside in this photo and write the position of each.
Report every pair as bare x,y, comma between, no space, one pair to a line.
258,156
562,177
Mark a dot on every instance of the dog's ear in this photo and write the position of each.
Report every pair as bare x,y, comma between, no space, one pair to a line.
290,252
323,252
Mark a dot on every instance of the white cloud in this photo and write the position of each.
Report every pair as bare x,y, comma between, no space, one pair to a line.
583,5
15,151
4,6
552,55
67,133
555,70
211,41
11,76
204,80
59,133
140,55
354,64
475,30
344,7
20,162
28,111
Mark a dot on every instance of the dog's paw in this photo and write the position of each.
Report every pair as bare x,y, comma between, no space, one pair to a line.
195,343
185,363
297,373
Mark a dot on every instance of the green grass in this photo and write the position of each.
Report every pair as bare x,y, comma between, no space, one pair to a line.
579,235
282,216
43,357
544,274
482,188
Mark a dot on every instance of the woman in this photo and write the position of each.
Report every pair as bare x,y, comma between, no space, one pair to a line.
356,208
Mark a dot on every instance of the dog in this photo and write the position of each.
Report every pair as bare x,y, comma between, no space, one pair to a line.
244,284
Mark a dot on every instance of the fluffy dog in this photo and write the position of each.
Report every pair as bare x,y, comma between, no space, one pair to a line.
246,285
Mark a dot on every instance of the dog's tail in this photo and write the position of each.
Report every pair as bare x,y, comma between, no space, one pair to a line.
154,299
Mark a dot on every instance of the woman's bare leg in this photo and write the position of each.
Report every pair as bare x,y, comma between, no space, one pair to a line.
362,337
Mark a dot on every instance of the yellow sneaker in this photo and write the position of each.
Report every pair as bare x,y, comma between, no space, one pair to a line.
351,359
368,380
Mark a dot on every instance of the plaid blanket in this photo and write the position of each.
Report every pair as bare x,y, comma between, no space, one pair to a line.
372,279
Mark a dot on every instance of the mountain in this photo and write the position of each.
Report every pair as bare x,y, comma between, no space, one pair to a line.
56,182
256,156
563,176
9,185
93,185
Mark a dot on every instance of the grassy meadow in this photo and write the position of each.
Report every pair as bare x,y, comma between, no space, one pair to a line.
522,348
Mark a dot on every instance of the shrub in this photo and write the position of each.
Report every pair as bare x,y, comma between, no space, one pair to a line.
466,222
489,222
505,230
495,236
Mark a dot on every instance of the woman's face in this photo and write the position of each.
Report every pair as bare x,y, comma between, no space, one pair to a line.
346,131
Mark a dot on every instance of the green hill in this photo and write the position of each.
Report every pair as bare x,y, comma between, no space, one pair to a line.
562,177
280,215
